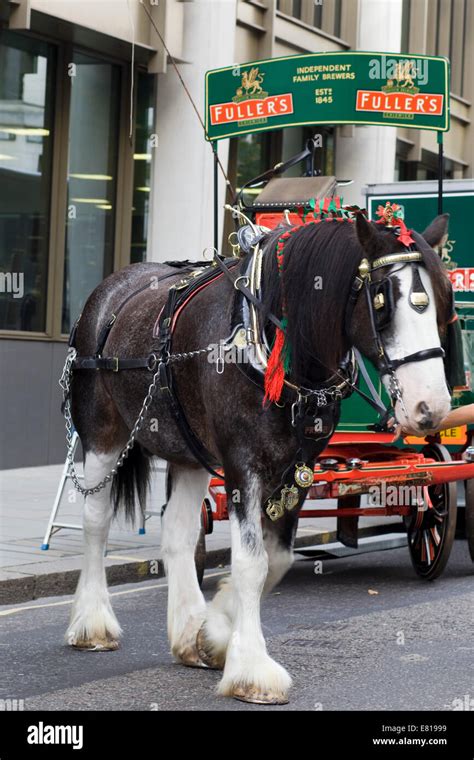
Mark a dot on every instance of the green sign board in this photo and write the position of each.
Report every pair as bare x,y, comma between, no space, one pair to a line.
328,88
420,209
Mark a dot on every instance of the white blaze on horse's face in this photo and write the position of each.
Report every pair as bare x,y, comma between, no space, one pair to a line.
424,390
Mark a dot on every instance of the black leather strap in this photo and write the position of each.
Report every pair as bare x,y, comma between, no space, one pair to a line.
163,349
194,444
112,363
418,356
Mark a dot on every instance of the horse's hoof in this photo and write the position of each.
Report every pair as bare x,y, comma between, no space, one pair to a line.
190,658
254,695
211,659
95,645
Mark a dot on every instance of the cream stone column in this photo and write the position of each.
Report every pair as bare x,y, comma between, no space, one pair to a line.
181,200
366,154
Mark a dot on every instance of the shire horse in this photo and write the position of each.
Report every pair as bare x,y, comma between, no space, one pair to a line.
252,441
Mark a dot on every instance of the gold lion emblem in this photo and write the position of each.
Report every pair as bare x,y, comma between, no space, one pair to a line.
251,86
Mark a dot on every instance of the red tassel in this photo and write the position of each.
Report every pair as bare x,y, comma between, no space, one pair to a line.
275,372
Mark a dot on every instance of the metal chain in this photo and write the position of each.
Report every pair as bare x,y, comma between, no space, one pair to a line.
396,391
322,395
65,384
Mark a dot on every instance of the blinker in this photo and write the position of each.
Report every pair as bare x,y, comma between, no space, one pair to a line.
418,297
379,301
382,299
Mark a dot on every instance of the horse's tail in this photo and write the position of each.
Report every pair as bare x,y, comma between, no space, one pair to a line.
131,483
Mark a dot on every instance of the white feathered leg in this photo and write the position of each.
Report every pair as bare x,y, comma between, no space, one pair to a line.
180,526
93,624
279,546
215,635
250,673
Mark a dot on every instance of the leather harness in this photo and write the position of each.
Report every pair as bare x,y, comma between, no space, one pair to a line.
308,404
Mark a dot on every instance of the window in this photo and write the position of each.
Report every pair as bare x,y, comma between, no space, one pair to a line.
317,13
74,210
457,44
145,117
405,41
294,140
27,71
426,169
92,180
447,31
253,156
337,18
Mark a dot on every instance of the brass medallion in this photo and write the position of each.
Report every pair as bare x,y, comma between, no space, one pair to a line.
304,476
275,510
289,497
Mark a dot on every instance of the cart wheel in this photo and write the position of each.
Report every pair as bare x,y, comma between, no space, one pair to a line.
432,525
200,552
469,516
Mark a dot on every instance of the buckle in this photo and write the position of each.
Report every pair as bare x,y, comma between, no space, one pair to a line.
115,363
163,377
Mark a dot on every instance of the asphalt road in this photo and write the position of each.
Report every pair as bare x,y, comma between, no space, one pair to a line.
409,646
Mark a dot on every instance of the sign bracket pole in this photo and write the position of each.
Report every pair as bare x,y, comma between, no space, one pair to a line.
440,171
216,197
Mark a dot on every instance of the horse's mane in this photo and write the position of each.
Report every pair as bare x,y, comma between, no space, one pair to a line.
329,250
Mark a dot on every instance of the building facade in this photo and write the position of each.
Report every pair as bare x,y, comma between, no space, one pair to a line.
103,161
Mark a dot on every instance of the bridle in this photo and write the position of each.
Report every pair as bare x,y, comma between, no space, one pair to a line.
380,306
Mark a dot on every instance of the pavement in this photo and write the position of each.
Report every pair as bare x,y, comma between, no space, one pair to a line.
363,633
27,572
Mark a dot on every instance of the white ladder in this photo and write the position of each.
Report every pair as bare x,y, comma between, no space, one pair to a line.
54,526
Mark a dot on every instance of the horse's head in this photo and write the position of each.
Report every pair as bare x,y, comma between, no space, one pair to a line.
400,316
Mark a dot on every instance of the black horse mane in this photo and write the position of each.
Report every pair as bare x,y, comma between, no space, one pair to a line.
331,251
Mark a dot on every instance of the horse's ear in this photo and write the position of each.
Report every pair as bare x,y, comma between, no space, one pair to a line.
436,233
365,232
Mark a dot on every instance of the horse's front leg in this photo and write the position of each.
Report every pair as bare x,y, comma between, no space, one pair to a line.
93,624
250,674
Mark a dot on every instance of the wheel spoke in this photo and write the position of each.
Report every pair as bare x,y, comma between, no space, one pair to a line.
427,548
435,535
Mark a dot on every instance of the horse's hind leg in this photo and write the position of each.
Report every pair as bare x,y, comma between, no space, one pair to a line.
93,624
181,523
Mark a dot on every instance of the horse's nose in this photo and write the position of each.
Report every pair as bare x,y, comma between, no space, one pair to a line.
425,421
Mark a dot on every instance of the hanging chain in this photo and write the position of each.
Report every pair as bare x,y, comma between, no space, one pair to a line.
396,391
65,384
